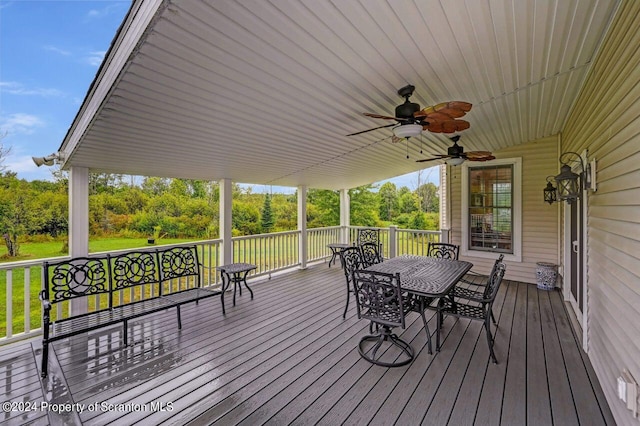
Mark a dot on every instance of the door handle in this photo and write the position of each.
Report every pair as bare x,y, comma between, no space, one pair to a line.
575,246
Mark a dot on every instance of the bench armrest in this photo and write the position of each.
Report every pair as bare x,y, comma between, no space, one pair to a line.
46,304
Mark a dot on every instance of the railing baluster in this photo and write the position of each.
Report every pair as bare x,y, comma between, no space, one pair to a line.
9,304
27,299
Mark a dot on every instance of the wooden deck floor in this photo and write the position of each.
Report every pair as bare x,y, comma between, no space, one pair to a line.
288,357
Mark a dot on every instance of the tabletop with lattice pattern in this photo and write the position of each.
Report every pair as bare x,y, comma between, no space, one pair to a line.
423,275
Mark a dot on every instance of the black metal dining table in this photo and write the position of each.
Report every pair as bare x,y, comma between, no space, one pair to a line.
424,276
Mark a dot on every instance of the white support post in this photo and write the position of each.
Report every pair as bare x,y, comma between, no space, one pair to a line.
79,224
78,211
302,226
445,205
345,215
226,200
393,245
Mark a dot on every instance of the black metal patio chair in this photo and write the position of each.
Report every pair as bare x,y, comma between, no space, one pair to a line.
380,300
369,236
473,307
479,281
370,254
443,250
351,259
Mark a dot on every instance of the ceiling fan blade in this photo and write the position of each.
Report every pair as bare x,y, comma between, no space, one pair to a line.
437,157
450,126
479,156
454,109
438,116
460,105
487,158
375,128
384,117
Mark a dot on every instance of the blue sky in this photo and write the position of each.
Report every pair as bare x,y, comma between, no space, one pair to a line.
50,51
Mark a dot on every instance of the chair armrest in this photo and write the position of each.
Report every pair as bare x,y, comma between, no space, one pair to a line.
467,294
478,284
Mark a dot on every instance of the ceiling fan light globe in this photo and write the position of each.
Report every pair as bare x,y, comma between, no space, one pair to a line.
407,130
455,161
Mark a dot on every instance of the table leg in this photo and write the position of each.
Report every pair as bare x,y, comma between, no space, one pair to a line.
244,279
333,256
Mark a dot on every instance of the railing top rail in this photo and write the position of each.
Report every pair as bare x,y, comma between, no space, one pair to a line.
34,262
270,234
159,246
324,228
369,227
418,231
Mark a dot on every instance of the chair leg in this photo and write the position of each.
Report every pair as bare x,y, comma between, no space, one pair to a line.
438,327
371,354
426,327
493,319
344,315
487,327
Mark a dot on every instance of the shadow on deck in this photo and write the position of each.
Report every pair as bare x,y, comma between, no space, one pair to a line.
288,357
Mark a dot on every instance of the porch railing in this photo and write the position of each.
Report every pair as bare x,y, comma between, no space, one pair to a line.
20,309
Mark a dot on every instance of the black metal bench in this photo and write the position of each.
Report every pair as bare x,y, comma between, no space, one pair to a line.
119,288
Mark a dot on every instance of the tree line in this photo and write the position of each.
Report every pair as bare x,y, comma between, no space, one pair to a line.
183,208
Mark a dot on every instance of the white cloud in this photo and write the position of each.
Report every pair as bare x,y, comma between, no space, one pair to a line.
20,164
101,13
19,123
95,58
15,88
57,50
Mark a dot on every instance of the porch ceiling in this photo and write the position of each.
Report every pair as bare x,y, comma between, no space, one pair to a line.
265,92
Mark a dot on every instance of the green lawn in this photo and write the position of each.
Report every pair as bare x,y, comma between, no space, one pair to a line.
32,251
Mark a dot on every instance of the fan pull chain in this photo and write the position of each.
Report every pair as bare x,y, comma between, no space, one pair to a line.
407,145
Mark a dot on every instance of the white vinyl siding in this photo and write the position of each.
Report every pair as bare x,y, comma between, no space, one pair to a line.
606,122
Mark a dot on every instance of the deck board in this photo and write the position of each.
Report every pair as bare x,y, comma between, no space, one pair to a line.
538,403
288,357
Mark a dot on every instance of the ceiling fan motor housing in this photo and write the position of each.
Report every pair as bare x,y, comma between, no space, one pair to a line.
455,150
407,109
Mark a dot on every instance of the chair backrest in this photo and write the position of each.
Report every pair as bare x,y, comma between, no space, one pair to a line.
370,254
496,263
351,260
368,236
379,297
495,279
443,250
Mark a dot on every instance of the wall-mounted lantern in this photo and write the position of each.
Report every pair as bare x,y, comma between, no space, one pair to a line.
550,192
570,184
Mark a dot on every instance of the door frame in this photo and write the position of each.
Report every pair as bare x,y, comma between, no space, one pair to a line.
582,244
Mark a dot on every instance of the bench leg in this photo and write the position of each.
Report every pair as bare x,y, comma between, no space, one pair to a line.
45,359
179,320
126,333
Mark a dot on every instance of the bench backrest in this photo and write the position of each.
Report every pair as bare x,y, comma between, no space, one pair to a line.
78,277
181,265
122,278
136,271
